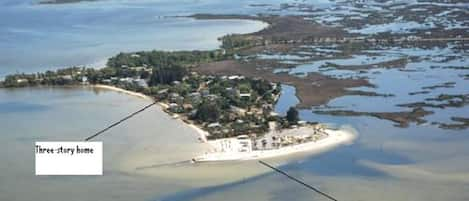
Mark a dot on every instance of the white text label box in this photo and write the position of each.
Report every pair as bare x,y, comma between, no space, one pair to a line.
69,158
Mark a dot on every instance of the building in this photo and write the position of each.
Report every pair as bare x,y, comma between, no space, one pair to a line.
141,83
244,143
84,80
238,144
175,108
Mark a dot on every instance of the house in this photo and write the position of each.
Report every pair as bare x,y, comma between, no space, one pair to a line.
245,96
173,97
127,79
195,98
21,80
244,143
162,94
187,107
238,110
212,97
241,143
84,80
141,82
67,77
175,108
232,92
268,107
205,92
235,77
214,125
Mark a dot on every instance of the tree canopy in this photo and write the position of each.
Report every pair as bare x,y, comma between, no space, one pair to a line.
167,74
292,115
208,112
163,58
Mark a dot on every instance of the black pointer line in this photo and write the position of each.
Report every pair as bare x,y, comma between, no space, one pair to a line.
119,122
298,181
262,162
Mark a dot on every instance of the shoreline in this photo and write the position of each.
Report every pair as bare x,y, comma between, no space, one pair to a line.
117,89
202,134
335,138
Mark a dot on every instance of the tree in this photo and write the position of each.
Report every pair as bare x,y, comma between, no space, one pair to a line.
292,115
167,74
208,112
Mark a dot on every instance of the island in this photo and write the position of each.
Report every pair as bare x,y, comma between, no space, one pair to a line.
233,112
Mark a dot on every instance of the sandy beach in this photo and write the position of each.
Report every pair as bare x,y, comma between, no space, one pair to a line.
113,88
334,139
202,134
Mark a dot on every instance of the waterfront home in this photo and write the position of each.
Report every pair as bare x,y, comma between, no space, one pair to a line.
21,80
214,125
162,94
67,77
212,97
141,82
175,108
126,79
84,80
173,97
245,95
195,98
236,77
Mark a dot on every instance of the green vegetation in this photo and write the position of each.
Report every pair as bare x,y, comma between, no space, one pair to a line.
167,74
292,116
60,77
163,58
208,112
236,41
225,106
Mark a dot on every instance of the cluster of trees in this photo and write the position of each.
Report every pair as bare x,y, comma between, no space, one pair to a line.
163,58
234,41
167,74
12,80
208,112
257,88
292,116
60,77
70,76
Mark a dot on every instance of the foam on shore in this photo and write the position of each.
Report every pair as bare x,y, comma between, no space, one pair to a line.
202,134
113,88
